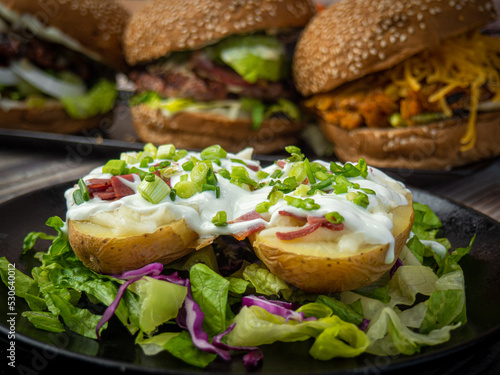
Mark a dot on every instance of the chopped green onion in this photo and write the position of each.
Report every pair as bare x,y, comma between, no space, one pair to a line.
307,204
310,174
186,189
334,217
220,219
173,194
179,154
199,173
277,173
298,170
368,191
84,190
166,151
145,162
129,157
340,189
240,175
239,161
224,173
184,177
263,207
77,197
188,165
150,148
320,186
361,199
261,175
211,177
153,189
138,171
115,167
213,152
295,153
150,177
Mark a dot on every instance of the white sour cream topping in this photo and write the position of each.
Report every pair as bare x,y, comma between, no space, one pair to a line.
370,225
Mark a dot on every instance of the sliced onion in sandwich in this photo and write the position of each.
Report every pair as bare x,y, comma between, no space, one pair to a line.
45,82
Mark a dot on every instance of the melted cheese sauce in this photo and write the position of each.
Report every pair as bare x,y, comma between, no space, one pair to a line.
134,215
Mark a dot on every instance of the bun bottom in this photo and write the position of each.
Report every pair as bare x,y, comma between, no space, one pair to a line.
199,130
434,146
52,118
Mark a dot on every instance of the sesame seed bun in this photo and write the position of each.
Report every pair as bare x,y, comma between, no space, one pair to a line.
429,147
96,24
199,130
165,26
354,38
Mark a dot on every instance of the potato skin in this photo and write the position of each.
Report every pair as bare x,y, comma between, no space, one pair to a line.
318,274
115,255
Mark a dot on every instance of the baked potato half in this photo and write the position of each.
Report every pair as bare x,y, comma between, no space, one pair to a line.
314,263
104,252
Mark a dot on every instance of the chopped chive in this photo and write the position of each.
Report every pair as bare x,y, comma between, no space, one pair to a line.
277,174
309,172
220,219
77,197
84,190
334,217
138,171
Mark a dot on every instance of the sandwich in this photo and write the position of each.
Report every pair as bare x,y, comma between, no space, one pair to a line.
209,72
58,63
407,85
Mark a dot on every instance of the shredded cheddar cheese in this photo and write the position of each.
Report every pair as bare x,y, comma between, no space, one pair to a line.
467,62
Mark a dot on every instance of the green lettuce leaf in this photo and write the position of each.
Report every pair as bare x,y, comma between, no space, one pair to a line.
255,326
265,282
154,311
210,291
253,57
99,100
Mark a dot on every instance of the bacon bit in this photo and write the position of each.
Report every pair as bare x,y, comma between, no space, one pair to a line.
104,195
281,163
252,215
325,223
292,215
120,189
304,231
165,179
314,222
245,233
252,167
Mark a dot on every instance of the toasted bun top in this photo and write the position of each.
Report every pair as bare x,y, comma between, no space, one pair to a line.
166,26
96,24
354,38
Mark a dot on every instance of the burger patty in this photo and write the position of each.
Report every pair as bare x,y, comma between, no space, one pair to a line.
202,80
48,56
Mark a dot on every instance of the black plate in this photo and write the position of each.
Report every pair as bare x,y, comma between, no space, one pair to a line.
116,352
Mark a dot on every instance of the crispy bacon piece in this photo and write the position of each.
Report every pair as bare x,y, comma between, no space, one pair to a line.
245,233
110,188
313,223
252,215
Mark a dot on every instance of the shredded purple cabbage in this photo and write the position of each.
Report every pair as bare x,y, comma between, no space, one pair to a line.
364,325
283,309
395,267
191,318
250,359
